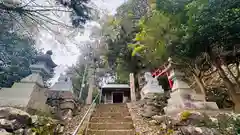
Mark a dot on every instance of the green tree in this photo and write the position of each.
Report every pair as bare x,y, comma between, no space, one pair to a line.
200,34
78,73
212,28
17,52
157,32
122,31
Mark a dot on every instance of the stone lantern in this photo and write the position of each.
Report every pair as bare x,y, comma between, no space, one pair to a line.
62,89
182,97
44,64
30,93
42,70
61,97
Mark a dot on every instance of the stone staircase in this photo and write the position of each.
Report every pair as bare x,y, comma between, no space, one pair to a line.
111,119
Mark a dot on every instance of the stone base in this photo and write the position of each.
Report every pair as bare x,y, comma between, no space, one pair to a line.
153,104
210,112
187,99
187,93
150,94
64,104
190,105
24,95
68,104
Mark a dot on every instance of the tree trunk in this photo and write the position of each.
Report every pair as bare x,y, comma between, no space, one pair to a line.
232,90
235,78
200,85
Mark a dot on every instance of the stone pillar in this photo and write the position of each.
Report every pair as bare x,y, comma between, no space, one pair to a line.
91,86
100,97
105,98
183,97
132,87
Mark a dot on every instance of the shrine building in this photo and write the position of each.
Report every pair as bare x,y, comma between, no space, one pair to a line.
115,93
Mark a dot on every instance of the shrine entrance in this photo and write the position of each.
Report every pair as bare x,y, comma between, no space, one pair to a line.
115,93
117,97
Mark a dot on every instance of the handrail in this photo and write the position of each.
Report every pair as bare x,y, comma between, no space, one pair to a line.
83,118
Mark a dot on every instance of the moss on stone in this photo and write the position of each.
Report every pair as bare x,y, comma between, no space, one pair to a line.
184,115
45,126
170,132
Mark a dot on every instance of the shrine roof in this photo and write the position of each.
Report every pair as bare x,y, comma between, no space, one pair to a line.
62,86
115,86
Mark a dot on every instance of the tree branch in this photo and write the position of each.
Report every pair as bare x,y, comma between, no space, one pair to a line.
44,26
31,1
79,73
21,10
74,86
12,16
44,19
53,19
238,71
46,10
207,75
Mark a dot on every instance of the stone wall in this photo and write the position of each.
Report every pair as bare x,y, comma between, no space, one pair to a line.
19,122
153,104
63,103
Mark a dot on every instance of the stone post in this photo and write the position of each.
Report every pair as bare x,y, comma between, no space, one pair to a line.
183,97
132,87
91,86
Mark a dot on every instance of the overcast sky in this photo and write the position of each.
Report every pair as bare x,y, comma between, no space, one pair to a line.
66,54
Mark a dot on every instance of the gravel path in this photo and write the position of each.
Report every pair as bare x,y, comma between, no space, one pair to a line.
141,124
71,126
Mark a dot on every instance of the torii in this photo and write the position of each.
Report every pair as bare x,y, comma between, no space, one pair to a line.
161,72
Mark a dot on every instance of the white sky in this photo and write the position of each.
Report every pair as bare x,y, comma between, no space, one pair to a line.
66,54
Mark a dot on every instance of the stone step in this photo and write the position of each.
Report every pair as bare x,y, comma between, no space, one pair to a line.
111,106
112,110
115,104
110,114
116,116
110,132
111,126
111,119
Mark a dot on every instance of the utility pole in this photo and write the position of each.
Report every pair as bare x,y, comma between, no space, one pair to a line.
83,80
